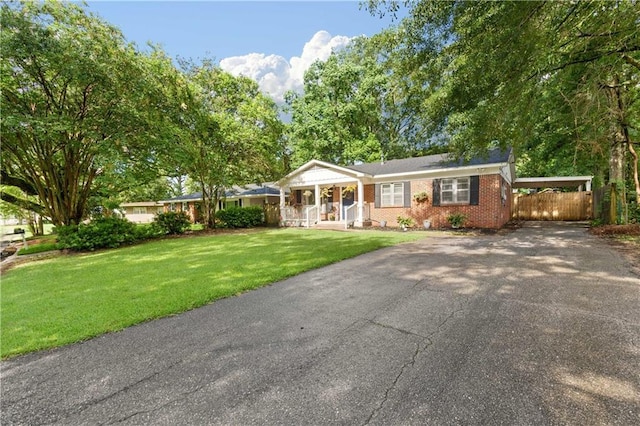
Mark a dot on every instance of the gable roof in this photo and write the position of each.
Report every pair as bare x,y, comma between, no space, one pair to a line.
429,162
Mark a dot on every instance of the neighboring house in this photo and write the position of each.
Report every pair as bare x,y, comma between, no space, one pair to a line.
141,211
422,188
238,196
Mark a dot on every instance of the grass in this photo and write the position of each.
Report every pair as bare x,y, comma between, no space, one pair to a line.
38,248
58,301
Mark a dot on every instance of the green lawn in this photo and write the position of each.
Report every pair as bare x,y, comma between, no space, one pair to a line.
66,299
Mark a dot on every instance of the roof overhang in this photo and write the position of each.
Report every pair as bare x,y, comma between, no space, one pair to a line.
553,182
458,171
142,204
345,171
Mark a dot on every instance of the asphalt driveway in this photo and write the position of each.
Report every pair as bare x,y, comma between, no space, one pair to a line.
541,326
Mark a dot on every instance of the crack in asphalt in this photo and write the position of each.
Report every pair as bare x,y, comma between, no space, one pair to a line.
182,396
419,349
124,389
400,330
396,380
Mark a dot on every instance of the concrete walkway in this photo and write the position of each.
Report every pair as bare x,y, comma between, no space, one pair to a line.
541,326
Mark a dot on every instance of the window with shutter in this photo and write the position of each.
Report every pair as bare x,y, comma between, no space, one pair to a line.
455,191
392,194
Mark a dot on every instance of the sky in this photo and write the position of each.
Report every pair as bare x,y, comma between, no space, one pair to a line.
271,42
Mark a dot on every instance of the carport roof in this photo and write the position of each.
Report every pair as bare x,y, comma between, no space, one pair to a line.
553,182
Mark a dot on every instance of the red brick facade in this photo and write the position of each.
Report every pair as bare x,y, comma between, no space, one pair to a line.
492,211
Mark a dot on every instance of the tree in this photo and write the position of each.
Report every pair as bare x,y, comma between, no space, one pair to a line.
555,76
78,103
357,106
230,134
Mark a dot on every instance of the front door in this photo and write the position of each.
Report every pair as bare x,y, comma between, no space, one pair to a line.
347,200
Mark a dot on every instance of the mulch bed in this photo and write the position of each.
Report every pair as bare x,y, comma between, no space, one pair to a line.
631,229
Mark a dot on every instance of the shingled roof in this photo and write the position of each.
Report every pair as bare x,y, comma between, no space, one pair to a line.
429,162
236,191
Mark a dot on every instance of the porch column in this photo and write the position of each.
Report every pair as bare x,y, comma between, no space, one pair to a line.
360,219
282,198
317,199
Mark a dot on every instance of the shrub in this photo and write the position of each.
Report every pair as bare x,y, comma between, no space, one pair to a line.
241,217
172,222
147,231
103,232
457,219
405,222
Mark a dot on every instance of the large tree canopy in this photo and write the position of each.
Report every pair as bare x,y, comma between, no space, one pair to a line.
558,80
77,103
359,106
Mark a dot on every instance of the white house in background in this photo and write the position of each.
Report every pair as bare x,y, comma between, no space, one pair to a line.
142,211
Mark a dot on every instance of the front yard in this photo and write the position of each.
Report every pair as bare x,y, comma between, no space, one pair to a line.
66,299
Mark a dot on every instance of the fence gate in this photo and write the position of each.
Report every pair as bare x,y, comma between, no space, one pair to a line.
552,206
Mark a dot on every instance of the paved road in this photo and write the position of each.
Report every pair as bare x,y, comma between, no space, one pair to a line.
541,326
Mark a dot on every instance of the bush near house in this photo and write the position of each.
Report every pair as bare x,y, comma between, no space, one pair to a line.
172,223
103,232
241,217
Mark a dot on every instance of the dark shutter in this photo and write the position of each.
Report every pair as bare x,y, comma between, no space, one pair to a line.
407,193
376,196
298,196
436,192
474,190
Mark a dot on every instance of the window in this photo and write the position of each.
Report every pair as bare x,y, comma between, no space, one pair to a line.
139,210
455,191
392,195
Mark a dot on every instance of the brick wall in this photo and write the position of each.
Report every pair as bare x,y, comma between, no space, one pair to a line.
491,211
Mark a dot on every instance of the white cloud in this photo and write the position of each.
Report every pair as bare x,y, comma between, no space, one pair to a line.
275,74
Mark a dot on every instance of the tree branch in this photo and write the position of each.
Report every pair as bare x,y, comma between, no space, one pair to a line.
27,187
631,61
23,204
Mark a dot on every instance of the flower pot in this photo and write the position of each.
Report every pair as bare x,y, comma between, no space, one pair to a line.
426,224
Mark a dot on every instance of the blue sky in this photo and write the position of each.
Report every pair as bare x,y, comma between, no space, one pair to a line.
230,28
272,42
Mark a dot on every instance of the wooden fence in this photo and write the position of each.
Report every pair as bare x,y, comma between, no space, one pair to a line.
272,214
552,206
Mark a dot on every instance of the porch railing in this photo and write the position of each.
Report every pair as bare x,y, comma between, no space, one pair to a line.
290,216
351,214
310,215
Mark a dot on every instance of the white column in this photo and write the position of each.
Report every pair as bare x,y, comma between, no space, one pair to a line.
317,198
360,219
282,198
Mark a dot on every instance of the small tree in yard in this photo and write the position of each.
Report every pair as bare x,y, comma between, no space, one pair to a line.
230,134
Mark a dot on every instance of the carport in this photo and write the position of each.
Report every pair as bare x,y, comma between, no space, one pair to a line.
553,205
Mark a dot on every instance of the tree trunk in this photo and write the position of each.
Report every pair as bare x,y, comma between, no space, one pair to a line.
634,164
618,148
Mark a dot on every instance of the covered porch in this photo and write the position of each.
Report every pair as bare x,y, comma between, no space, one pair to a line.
322,193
